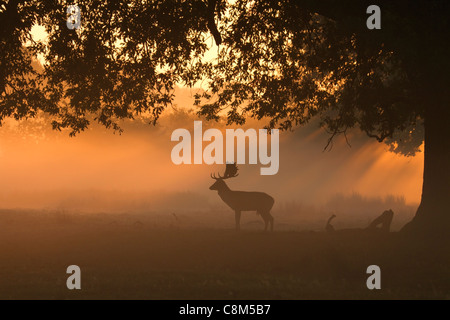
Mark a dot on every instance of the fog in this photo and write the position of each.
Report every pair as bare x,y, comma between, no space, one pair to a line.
102,171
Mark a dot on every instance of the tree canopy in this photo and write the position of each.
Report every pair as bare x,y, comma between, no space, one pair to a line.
125,59
292,60
286,61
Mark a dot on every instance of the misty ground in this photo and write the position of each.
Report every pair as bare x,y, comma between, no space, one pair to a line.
166,256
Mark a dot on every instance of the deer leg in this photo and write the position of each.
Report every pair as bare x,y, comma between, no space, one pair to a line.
263,215
237,217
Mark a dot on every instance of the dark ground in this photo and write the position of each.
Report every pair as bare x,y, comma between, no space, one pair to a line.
126,259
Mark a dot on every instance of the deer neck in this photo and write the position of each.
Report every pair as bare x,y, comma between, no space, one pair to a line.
224,190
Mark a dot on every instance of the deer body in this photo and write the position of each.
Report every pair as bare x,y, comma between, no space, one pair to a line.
247,201
240,201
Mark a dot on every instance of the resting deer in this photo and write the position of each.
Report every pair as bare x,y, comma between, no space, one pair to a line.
242,200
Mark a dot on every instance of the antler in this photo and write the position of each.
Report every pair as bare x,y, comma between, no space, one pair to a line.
230,172
214,176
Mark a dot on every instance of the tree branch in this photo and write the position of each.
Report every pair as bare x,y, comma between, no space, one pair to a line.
211,9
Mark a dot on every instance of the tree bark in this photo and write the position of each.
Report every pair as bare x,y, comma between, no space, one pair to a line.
433,214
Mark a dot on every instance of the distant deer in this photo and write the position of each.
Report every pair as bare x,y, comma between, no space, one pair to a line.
240,201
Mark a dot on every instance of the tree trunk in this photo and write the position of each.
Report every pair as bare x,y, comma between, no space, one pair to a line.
433,214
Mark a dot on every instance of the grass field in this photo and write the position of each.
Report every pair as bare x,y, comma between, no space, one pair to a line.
134,257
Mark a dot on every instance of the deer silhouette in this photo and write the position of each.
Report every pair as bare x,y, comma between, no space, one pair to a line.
240,201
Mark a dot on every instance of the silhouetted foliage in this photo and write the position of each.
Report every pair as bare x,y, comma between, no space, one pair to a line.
287,60
291,60
125,60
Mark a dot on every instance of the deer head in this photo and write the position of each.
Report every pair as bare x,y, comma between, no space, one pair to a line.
230,172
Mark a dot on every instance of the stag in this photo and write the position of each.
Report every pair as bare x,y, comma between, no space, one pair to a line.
240,201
